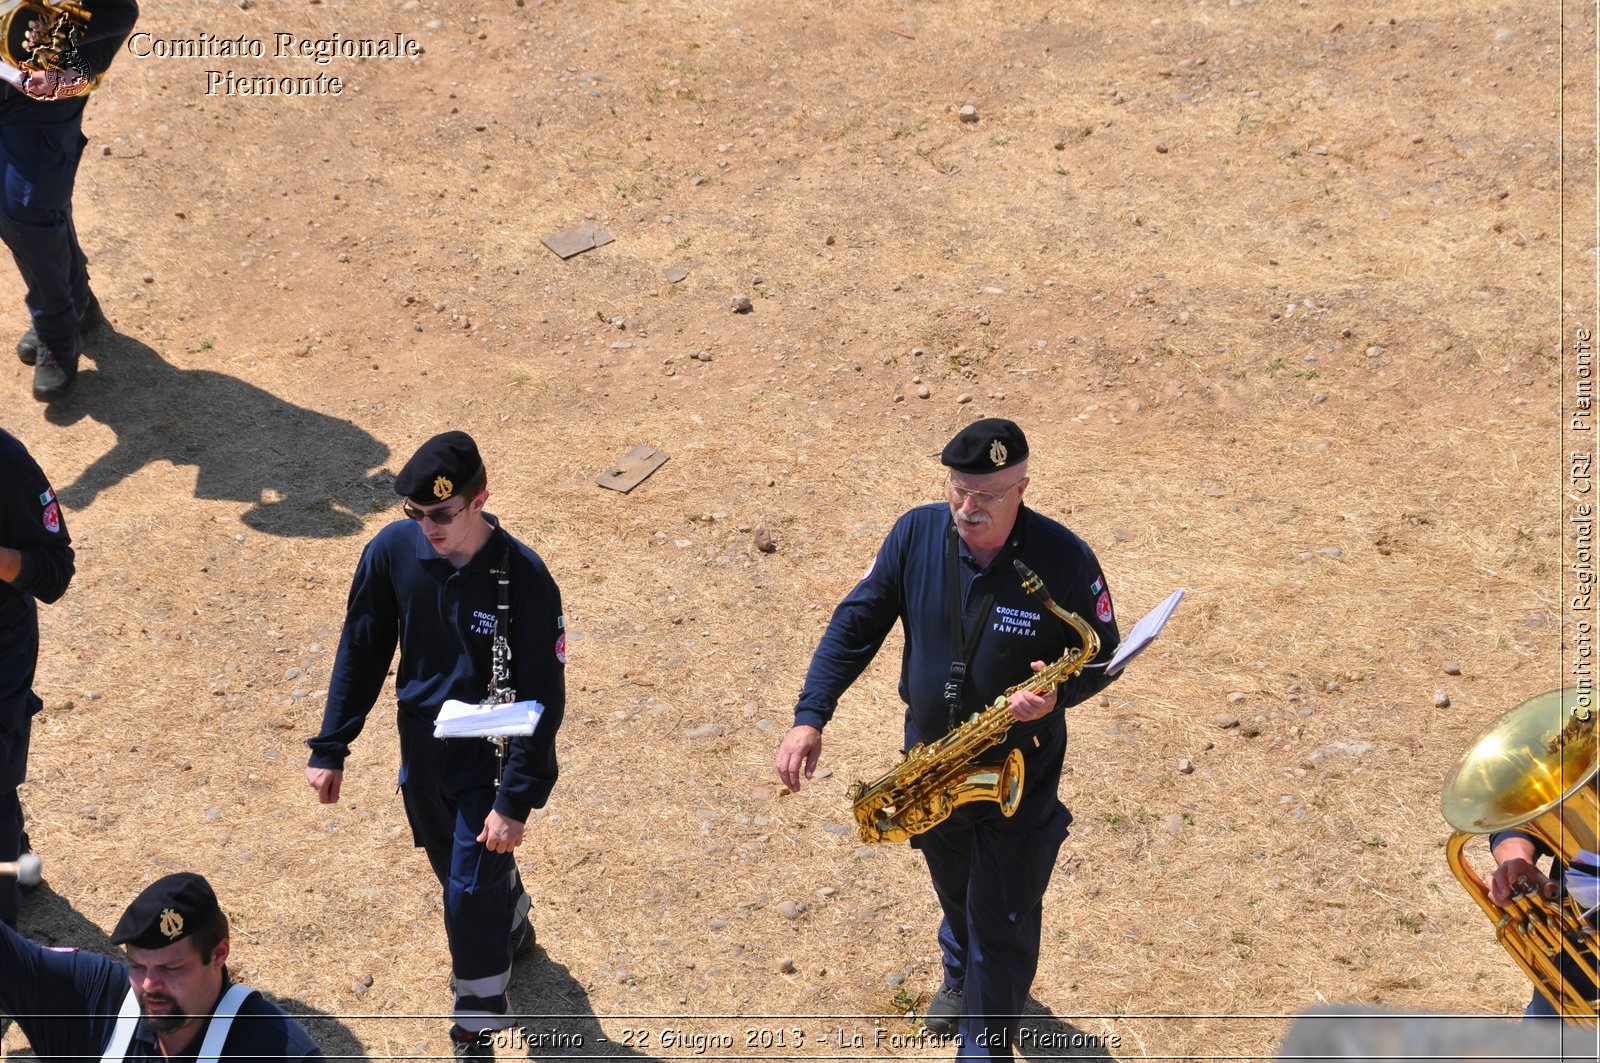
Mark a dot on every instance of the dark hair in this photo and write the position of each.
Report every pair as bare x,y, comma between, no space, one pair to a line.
475,483
210,933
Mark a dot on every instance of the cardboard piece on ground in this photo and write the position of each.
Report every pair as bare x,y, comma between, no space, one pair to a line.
569,242
634,468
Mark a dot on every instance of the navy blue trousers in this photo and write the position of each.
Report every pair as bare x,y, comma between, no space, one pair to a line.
990,874
19,657
40,147
449,790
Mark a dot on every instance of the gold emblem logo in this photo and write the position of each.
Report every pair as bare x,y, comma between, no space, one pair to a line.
442,487
997,453
171,924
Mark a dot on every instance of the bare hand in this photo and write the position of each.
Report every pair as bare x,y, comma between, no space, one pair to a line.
800,750
54,85
326,782
1026,706
1517,878
500,834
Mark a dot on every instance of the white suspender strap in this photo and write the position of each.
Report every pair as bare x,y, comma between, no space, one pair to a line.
216,1033
221,1022
122,1033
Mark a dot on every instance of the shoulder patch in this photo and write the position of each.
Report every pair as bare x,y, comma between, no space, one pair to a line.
1102,607
561,647
52,518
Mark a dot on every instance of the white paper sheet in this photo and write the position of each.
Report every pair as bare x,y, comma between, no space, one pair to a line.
1148,627
462,719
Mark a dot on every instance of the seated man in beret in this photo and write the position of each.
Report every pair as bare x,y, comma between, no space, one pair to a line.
172,999
972,630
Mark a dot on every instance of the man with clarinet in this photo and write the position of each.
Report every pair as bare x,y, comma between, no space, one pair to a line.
445,585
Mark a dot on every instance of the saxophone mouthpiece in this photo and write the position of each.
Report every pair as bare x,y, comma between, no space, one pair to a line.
1031,583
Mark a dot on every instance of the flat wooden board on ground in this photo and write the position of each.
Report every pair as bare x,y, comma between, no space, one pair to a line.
569,242
634,468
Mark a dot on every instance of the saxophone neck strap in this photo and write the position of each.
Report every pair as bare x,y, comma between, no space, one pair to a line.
963,641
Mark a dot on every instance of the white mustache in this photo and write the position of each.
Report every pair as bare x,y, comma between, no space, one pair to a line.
976,518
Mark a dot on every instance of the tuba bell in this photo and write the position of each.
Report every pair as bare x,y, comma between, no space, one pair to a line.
1534,769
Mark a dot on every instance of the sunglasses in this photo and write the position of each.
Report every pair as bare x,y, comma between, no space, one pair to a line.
438,516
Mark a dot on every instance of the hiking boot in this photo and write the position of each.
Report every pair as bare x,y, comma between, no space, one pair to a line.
53,374
90,324
522,939
944,1012
470,1047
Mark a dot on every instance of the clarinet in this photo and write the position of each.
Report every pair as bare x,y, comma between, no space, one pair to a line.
500,689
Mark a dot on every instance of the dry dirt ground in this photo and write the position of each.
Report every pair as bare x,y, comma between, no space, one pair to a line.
1277,290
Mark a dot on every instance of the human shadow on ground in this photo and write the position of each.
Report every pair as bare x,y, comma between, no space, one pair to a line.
304,473
554,1018
49,919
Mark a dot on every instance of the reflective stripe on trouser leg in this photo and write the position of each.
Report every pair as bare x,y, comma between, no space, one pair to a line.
483,901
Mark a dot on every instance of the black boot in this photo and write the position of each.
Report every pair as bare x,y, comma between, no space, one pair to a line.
92,321
54,374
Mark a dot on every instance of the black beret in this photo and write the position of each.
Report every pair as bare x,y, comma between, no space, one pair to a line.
440,467
167,911
984,446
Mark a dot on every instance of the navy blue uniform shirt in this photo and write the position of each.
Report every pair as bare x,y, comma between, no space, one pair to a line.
442,619
67,1002
32,524
909,582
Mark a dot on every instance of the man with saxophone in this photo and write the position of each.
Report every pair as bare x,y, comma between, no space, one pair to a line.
444,585
971,630
64,54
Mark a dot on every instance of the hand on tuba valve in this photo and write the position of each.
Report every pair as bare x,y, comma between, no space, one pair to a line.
1534,770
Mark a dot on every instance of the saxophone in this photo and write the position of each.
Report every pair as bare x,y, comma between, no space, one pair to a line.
930,781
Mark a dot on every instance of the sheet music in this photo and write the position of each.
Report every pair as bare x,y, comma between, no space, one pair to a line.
1148,627
462,719
1581,880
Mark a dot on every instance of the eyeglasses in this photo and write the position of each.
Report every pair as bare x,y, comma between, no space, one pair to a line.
438,516
984,499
